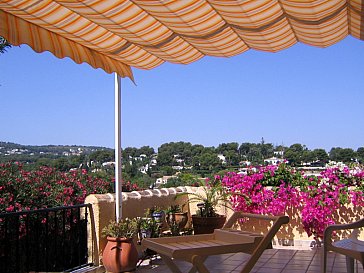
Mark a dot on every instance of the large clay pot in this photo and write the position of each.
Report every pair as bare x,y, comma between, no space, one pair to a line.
205,225
120,255
180,218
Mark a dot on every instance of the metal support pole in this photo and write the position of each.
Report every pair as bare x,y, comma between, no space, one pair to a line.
118,209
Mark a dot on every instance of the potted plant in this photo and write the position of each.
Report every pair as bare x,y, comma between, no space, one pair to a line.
176,219
120,253
157,213
148,227
206,218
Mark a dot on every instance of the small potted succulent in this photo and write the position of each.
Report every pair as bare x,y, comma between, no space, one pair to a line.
120,253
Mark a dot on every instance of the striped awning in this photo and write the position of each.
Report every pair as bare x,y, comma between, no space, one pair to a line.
118,34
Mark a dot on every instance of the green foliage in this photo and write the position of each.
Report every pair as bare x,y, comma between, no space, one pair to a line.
165,159
230,151
210,162
195,159
130,168
143,181
148,227
173,182
321,156
213,196
103,156
183,179
167,170
342,154
256,152
146,150
189,179
283,174
294,154
126,228
360,154
173,209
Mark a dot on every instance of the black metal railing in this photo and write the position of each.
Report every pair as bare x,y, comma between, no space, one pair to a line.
44,240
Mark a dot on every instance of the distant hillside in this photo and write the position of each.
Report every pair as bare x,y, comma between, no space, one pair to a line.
14,151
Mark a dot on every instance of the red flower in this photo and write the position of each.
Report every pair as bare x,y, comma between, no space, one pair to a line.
10,208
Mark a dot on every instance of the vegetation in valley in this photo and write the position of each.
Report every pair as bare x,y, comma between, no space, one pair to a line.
143,166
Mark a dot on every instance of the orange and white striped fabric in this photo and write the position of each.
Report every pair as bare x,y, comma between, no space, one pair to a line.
118,34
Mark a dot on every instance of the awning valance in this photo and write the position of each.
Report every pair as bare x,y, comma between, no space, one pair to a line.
118,34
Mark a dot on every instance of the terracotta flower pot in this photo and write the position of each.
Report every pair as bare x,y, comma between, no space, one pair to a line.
180,218
120,255
205,225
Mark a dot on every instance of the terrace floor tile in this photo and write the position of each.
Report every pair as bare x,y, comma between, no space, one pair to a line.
272,261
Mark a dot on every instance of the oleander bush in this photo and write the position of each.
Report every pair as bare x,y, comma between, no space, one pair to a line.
45,187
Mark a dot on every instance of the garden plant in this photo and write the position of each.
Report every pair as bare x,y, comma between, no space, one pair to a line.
276,189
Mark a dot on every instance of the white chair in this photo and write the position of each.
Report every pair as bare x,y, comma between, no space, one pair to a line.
351,247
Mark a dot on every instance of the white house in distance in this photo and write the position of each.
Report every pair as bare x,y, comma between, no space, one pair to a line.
144,169
163,180
222,158
273,160
278,153
110,164
244,163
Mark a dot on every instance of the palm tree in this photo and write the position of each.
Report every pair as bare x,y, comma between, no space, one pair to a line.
4,44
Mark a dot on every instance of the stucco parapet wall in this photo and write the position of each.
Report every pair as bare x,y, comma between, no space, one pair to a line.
111,197
156,192
134,204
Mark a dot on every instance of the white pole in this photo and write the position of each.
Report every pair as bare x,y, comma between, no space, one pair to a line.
118,209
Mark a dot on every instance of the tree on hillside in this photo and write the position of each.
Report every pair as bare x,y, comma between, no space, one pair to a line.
130,152
232,158
165,154
232,146
62,164
197,149
167,170
294,154
147,150
307,156
342,154
43,162
256,152
321,155
164,159
281,149
210,162
266,149
102,156
131,168
360,154
230,151
255,156
244,150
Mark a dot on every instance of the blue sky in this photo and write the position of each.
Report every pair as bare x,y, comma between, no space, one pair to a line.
304,94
